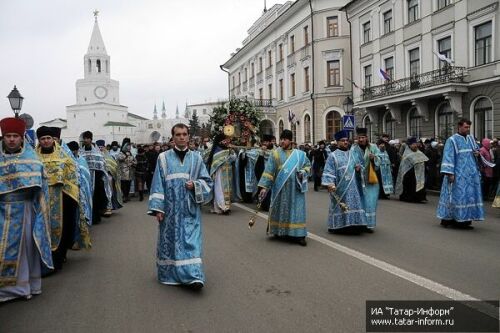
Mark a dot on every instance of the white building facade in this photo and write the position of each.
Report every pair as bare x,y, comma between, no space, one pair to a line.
202,110
296,61
442,59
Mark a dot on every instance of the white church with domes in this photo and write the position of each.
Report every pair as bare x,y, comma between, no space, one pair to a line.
98,109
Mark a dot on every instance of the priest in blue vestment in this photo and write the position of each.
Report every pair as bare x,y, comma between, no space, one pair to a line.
367,156
339,176
384,173
286,174
460,201
24,216
220,166
101,187
181,184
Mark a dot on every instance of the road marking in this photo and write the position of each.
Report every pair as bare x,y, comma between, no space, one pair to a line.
421,281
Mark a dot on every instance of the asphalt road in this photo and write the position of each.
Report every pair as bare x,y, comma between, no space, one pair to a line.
256,283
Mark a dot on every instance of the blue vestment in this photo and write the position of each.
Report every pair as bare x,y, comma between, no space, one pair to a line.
23,195
461,200
369,191
221,172
287,214
250,179
179,248
340,171
386,172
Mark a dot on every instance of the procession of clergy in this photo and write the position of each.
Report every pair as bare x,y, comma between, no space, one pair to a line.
52,194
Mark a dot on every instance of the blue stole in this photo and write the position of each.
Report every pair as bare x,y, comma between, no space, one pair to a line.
346,179
289,168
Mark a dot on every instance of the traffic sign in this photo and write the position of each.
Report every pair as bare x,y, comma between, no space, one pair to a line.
348,121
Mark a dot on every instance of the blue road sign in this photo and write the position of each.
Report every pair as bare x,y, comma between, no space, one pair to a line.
30,137
348,121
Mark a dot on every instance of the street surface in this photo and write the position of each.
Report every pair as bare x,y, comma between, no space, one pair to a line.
259,284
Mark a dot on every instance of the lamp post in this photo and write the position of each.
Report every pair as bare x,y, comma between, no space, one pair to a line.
16,101
347,105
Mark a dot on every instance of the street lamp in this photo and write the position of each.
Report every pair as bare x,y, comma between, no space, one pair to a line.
16,101
347,105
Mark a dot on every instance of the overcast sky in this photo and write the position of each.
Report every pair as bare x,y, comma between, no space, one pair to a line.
160,50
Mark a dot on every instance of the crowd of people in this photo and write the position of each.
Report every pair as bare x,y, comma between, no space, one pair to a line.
51,194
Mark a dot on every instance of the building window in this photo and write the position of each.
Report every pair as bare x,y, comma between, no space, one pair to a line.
90,66
482,46
414,56
483,119
292,84
389,67
292,44
368,76
389,124
281,89
246,74
270,90
293,127
368,124
415,123
281,127
260,64
333,73
333,26
234,82
98,65
306,79
239,78
204,111
252,70
269,58
387,21
445,121
366,32
412,10
261,93
444,48
306,35
107,66
150,126
443,3
280,52
307,128
333,124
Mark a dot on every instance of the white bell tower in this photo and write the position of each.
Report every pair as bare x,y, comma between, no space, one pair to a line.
97,85
97,108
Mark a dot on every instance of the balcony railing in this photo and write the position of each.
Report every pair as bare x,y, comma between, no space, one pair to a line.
263,103
447,74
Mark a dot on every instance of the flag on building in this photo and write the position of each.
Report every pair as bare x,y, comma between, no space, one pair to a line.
353,83
291,116
383,75
442,57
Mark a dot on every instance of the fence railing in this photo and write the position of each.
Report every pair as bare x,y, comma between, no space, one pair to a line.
447,74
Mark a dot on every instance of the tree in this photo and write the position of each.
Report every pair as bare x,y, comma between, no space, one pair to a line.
194,125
